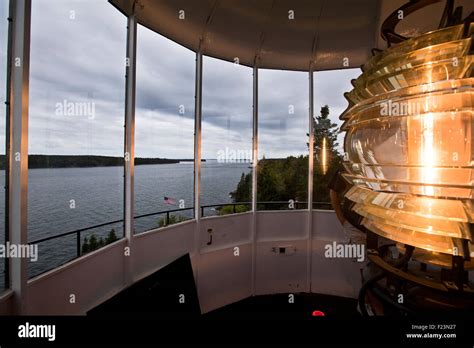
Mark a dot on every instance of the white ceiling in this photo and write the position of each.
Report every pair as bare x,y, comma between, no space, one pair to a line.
324,32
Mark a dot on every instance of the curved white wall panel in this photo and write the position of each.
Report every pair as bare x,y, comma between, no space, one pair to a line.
224,276
92,279
223,269
282,225
281,267
227,231
332,276
155,249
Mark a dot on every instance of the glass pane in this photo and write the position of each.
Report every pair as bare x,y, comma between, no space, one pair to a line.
283,141
164,132
75,127
226,138
329,103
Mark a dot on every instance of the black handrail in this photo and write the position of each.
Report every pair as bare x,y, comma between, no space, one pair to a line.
162,212
75,231
167,212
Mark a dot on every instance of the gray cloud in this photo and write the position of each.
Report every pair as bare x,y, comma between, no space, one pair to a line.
82,60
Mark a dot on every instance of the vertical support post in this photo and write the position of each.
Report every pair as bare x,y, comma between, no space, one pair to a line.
310,176
197,136
311,141
198,210
254,139
18,175
8,140
129,144
254,177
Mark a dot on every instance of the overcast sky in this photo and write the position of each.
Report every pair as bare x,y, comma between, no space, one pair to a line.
78,57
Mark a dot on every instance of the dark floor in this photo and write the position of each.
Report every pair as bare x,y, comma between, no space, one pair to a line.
159,297
277,307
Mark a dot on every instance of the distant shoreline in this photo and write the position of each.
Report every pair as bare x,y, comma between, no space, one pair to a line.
84,161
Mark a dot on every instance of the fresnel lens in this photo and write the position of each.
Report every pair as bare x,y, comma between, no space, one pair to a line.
409,154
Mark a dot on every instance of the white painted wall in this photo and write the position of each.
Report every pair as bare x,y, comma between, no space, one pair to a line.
224,268
92,279
227,231
278,272
99,275
155,249
339,277
282,225
222,277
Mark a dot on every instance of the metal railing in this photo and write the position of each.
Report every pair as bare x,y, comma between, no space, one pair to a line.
77,233
168,212
277,205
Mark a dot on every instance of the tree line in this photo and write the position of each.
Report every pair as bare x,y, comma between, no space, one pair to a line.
285,179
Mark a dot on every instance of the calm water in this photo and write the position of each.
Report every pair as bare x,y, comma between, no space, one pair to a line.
66,199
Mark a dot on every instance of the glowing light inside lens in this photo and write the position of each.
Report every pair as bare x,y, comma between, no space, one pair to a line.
409,143
428,154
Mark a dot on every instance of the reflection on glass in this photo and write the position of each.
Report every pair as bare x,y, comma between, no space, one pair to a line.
76,117
226,174
328,139
282,178
324,160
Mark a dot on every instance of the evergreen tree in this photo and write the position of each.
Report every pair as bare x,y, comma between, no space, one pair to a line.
111,237
173,219
93,243
85,246
287,178
243,191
